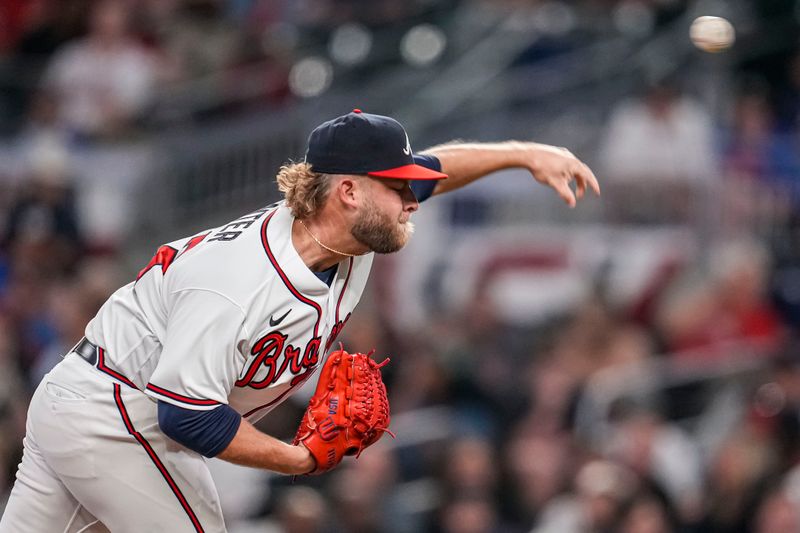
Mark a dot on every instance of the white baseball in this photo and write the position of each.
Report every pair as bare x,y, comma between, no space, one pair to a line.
712,34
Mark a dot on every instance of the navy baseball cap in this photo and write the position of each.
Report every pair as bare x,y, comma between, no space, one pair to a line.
362,143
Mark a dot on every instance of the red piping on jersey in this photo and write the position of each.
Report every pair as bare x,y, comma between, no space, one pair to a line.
179,397
156,461
283,276
344,288
300,297
101,366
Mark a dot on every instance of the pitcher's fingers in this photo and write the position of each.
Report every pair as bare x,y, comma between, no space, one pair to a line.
580,182
585,174
563,190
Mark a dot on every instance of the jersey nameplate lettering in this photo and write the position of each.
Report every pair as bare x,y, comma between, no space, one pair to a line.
233,229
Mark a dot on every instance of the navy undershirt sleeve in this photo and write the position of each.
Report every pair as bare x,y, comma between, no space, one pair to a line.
206,432
423,189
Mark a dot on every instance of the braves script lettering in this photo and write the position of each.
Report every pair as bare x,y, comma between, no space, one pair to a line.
268,350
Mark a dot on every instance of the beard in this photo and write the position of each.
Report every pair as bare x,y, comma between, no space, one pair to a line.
376,230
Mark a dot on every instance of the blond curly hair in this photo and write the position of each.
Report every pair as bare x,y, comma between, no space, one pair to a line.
305,190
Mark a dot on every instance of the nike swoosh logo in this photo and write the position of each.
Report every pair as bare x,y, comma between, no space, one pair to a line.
273,322
407,149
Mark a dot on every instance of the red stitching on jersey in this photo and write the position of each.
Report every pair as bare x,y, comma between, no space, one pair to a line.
179,397
156,461
101,366
283,276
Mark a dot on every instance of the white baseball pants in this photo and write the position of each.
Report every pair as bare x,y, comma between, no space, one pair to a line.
95,460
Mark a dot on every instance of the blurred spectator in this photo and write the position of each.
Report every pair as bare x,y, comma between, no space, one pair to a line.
43,127
539,468
602,489
660,146
755,151
30,31
647,514
200,38
730,305
552,391
468,514
101,83
740,272
420,381
42,230
736,477
777,514
662,452
298,510
580,343
760,164
47,298
470,468
25,307
70,307
664,136
258,73
777,404
302,510
628,345
362,492
481,365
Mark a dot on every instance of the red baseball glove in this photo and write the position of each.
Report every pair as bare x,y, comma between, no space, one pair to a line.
348,412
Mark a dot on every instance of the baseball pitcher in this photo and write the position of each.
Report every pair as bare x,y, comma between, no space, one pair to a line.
220,327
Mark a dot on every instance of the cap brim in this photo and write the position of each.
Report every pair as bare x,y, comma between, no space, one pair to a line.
409,172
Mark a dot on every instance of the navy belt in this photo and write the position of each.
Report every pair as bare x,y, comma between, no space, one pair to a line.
87,351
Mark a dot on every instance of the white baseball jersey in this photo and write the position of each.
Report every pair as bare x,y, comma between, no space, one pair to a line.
231,315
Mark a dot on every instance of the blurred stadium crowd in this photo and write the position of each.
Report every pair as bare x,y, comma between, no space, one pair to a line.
675,411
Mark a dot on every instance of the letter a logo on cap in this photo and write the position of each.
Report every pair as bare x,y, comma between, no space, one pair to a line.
407,149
